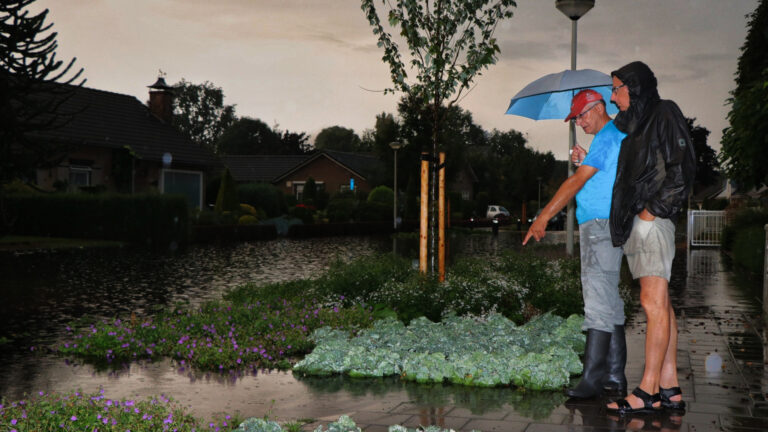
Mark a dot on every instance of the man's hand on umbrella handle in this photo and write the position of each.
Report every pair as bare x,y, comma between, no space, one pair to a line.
578,154
537,230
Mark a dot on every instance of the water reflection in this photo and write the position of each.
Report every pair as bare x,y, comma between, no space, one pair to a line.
477,400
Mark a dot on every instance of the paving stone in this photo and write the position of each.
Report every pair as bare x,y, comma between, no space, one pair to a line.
496,425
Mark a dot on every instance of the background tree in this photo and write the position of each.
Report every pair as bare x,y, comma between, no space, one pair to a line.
295,143
33,85
458,133
706,158
339,138
743,154
385,130
247,136
450,42
199,112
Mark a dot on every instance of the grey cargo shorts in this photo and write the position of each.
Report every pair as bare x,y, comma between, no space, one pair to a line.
650,248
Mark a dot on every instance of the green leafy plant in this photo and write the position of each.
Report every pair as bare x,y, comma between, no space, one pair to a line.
489,351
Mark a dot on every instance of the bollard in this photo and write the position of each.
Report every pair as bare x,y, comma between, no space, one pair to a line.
495,227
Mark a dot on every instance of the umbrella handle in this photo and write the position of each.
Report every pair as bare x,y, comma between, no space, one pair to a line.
577,154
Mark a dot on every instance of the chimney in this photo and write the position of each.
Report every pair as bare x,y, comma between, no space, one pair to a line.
161,100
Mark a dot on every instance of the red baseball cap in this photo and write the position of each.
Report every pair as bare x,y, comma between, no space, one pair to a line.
582,99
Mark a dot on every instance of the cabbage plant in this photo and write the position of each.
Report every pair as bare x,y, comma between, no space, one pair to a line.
474,351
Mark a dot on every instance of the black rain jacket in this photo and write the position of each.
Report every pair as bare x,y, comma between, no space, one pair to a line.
656,163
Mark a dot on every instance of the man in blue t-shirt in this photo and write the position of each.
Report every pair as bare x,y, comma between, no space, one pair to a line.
605,353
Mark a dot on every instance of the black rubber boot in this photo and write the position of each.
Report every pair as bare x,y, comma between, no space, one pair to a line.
591,384
615,382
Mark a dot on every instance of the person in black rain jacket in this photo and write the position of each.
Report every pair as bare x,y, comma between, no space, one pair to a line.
653,179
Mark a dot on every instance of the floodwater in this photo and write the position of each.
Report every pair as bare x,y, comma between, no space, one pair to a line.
44,291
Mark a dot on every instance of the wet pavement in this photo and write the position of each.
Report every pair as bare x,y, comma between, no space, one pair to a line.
721,360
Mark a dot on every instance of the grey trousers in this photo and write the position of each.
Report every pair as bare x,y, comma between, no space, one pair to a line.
600,268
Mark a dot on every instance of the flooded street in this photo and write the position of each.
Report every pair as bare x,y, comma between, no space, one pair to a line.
42,292
45,291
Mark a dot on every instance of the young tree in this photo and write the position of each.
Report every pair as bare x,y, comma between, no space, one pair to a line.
743,156
450,42
33,85
199,112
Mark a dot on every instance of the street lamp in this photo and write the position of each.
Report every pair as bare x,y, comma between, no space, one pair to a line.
573,9
538,201
395,145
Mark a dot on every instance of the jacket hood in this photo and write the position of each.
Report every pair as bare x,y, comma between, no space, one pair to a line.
643,95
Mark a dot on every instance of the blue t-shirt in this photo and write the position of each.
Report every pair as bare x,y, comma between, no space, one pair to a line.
594,199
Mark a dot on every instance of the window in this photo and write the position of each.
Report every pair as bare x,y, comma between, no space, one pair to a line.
79,175
298,190
187,183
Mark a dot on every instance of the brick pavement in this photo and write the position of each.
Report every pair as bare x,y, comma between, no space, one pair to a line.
714,315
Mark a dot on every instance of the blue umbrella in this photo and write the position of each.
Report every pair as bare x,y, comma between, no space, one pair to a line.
549,97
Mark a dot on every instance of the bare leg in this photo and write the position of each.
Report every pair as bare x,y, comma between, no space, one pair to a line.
654,297
669,368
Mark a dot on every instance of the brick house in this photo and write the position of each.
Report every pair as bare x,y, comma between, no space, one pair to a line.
333,171
114,142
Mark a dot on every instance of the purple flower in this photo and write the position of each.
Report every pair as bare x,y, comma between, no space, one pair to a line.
73,418
14,421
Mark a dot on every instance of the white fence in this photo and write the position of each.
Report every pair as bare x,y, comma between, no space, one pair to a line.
705,227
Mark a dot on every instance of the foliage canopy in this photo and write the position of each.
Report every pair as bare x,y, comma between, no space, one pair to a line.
743,155
200,113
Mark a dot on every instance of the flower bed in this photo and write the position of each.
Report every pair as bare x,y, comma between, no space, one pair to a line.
218,336
540,355
78,412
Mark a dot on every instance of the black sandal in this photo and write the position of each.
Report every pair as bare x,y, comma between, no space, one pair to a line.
666,394
623,407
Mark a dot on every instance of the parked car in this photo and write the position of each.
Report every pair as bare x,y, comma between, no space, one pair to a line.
557,223
496,212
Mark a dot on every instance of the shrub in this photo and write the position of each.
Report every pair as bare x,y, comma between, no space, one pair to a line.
263,196
248,220
341,209
226,200
310,191
382,195
159,221
374,211
304,212
745,219
17,186
749,248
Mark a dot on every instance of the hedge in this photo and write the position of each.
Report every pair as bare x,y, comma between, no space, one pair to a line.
157,221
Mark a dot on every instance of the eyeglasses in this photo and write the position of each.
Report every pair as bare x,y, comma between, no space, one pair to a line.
615,90
581,116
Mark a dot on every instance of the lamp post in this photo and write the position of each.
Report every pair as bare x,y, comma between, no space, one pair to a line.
538,201
395,145
573,9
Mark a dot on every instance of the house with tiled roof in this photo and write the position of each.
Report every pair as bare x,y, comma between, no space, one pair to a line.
115,142
333,171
